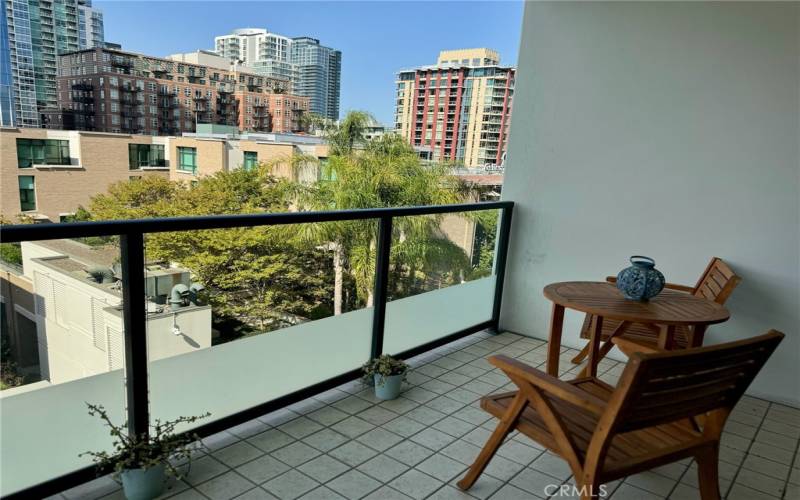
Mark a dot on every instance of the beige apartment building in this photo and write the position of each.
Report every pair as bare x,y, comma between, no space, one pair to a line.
46,175
458,109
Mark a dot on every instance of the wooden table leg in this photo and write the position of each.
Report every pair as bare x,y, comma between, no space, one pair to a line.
554,343
590,370
696,334
666,340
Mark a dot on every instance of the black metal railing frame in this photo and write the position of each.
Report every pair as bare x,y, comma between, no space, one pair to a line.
131,234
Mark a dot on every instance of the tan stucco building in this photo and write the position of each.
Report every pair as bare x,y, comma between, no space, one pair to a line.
47,174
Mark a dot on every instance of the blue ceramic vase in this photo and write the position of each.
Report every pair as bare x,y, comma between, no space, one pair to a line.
642,281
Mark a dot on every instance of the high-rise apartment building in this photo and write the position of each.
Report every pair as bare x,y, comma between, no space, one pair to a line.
91,32
38,32
7,118
314,70
111,90
319,75
458,109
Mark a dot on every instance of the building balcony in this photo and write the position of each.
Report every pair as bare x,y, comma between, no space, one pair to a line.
682,165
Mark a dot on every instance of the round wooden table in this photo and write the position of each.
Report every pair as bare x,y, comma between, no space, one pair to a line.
667,310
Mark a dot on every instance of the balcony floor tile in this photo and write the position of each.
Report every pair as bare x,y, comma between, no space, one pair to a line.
345,443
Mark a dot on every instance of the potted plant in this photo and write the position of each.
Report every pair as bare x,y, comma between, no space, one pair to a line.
386,374
143,462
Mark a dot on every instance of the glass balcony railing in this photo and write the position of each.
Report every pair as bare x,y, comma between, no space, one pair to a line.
184,316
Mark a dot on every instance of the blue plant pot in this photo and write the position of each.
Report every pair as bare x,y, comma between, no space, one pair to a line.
144,484
642,281
388,387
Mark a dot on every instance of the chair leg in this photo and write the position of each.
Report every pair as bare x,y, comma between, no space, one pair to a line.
708,473
503,429
581,355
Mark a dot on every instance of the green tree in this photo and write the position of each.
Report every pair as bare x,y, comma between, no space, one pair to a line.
253,274
347,134
10,252
386,173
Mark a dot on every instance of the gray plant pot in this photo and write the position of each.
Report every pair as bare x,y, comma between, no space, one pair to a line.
390,388
144,484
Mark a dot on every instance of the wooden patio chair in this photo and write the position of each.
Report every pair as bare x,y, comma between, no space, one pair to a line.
716,283
605,433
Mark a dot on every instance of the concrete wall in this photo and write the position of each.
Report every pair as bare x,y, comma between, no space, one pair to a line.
664,129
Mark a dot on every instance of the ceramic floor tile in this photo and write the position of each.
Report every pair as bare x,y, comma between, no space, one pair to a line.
225,487
323,468
290,485
237,454
296,454
441,467
383,468
354,485
415,484
262,469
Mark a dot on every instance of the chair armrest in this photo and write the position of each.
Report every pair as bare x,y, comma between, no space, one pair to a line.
671,286
549,384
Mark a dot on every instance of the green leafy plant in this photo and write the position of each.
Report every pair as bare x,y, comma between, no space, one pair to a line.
384,366
144,452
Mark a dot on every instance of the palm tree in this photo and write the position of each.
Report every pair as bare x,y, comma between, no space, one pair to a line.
385,173
348,133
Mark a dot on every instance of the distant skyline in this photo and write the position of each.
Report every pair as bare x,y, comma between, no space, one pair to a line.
376,38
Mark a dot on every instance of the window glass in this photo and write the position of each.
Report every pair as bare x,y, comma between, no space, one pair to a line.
250,160
42,152
187,159
27,193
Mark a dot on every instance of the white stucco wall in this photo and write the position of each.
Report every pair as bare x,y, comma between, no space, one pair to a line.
663,129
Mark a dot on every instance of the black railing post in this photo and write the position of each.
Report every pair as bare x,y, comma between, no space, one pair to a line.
500,264
135,321
381,284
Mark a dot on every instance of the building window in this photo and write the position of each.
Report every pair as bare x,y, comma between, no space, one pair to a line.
187,159
250,160
27,193
145,155
42,152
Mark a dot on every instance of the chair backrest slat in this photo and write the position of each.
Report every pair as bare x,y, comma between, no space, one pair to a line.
717,282
675,385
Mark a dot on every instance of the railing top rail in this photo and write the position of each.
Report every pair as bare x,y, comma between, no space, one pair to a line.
35,232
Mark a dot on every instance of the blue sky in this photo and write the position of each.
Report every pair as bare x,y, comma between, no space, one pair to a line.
376,38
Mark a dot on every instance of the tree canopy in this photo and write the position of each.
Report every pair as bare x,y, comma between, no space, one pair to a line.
266,277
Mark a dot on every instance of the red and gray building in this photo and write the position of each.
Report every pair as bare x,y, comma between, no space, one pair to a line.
459,109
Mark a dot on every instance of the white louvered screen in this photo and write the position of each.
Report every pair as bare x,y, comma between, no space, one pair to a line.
44,294
98,324
115,348
59,303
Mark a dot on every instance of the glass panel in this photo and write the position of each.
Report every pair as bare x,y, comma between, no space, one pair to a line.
416,320
187,159
133,156
249,315
27,193
24,153
157,155
61,347
250,160
440,277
